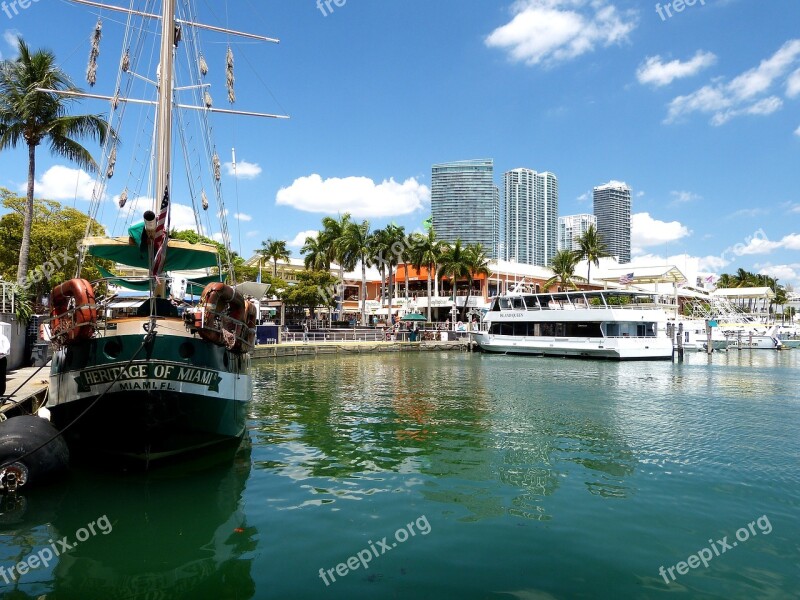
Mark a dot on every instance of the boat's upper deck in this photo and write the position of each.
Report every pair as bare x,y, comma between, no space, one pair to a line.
589,299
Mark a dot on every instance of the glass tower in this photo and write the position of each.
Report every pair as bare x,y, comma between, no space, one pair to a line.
530,202
571,227
612,207
465,203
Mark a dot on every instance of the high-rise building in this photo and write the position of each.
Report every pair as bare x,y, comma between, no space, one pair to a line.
571,227
612,207
465,203
530,203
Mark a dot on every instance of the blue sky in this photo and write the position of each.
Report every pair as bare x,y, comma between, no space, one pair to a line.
697,112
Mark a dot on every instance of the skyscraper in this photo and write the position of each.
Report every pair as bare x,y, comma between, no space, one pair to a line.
530,202
612,207
571,227
464,203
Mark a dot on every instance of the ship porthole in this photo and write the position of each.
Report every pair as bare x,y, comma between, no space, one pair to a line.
186,350
113,348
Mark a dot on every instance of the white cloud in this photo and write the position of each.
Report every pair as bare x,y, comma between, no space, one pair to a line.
242,217
10,38
785,273
797,131
251,234
360,196
63,183
759,243
683,197
658,73
744,95
585,196
647,231
243,170
548,32
713,264
793,84
749,213
300,238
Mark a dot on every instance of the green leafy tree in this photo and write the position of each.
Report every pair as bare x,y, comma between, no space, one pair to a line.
313,289
330,236
241,271
591,248
393,244
274,250
55,234
563,266
32,117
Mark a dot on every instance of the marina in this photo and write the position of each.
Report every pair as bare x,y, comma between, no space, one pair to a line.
506,457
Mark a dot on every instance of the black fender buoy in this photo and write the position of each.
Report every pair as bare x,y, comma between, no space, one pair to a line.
24,434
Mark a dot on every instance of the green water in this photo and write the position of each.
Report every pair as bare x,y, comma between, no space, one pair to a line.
523,478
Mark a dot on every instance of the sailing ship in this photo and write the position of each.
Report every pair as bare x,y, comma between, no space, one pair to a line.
155,376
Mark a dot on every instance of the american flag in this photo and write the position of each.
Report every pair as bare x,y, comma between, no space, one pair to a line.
160,240
626,279
710,279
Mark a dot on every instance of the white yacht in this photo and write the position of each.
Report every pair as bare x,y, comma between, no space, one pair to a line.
618,325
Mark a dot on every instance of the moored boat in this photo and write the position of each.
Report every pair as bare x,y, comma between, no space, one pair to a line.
617,325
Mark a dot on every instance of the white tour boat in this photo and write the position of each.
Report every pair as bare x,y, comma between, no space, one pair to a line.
619,325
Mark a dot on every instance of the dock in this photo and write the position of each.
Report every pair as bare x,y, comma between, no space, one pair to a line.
27,390
350,347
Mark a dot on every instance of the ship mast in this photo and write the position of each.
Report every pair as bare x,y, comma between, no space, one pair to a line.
164,109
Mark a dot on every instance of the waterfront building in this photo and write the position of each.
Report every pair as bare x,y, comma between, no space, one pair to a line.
530,210
465,203
572,227
612,207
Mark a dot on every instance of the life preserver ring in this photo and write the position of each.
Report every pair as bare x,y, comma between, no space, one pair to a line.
224,317
73,311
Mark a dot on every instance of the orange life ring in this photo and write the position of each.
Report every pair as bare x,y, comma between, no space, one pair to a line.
73,311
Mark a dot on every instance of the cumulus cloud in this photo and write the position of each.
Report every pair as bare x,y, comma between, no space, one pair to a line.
243,170
655,71
242,217
786,273
300,238
548,32
759,243
647,231
360,196
793,85
746,94
62,183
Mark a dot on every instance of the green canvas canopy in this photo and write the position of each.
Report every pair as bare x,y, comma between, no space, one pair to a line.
181,256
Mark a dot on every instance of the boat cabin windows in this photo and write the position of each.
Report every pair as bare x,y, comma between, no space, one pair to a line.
505,303
548,329
532,303
517,303
626,329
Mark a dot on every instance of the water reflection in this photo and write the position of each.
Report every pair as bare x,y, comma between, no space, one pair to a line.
488,434
175,533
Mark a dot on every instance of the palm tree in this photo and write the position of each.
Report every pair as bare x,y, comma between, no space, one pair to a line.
378,249
316,255
425,252
725,281
395,243
34,117
355,245
332,231
742,278
563,265
478,264
274,250
592,248
455,264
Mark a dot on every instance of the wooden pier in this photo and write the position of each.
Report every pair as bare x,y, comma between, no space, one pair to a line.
334,347
26,389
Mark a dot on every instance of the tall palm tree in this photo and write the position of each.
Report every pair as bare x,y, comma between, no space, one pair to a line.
725,281
563,265
455,264
316,254
742,278
395,242
592,248
408,241
425,252
35,117
332,231
478,264
274,250
356,246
